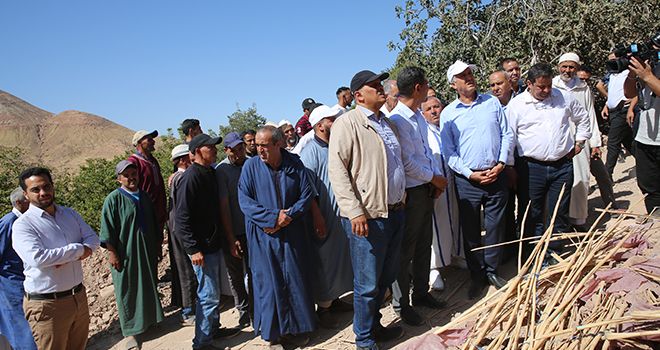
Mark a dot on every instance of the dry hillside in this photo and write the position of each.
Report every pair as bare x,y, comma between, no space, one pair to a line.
62,141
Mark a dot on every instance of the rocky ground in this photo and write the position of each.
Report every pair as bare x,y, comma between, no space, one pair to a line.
105,332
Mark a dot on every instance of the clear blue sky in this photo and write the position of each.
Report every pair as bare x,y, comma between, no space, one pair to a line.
150,64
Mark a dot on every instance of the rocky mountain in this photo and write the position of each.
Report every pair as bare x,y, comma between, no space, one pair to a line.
63,141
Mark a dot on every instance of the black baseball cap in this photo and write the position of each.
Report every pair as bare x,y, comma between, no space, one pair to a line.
365,77
308,103
202,140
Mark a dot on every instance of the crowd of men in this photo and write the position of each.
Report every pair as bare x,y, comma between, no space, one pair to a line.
372,198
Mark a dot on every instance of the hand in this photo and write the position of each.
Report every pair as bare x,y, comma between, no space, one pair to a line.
197,259
271,230
435,192
115,262
440,182
319,226
576,150
86,253
605,113
511,177
639,69
481,177
237,250
359,226
495,171
283,219
630,116
596,153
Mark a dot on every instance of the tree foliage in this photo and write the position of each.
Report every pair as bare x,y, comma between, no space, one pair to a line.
11,163
242,120
438,32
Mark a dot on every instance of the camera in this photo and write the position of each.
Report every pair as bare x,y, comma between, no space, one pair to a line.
641,51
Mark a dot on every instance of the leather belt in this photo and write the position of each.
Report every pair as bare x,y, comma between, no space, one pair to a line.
557,162
396,206
56,295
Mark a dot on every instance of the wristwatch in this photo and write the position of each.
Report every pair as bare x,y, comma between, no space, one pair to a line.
580,143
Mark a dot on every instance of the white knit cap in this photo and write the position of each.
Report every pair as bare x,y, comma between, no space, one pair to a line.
571,56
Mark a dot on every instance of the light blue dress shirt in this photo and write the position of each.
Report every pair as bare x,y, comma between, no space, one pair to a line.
396,176
51,246
475,136
418,160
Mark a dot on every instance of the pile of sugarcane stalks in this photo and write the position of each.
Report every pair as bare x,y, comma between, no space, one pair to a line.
543,307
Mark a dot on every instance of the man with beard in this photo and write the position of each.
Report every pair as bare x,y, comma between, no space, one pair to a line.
228,172
512,69
334,275
344,99
290,137
541,119
149,176
52,241
568,82
447,239
275,193
128,232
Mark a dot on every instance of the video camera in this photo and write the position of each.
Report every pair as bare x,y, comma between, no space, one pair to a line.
641,51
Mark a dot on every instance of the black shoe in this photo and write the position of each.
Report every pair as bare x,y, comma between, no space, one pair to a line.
410,317
244,321
429,301
340,306
224,333
297,340
385,334
476,289
326,319
495,280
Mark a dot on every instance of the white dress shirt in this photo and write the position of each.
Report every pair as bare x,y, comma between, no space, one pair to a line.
542,129
418,159
50,247
615,89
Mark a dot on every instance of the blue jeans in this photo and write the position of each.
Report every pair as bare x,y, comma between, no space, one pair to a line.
207,313
13,324
539,184
376,263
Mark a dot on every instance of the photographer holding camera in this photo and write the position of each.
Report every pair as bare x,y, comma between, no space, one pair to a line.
643,81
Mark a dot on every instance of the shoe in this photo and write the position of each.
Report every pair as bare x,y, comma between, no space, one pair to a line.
340,306
225,333
187,321
495,280
244,321
429,301
297,340
211,347
131,343
476,289
385,334
326,319
410,317
373,347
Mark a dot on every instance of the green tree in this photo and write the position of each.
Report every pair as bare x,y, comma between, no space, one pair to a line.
437,32
242,120
11,163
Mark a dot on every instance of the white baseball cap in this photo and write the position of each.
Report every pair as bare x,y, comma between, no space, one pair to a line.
457,68
321,112
571,56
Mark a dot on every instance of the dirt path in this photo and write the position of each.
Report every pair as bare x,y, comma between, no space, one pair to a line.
169,335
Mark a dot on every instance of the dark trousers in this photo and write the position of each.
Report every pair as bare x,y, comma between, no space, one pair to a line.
471,198
184,280
620,134
415,247
540,184
236,273
599,171
648,168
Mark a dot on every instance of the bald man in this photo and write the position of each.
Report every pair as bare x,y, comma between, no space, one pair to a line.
500,87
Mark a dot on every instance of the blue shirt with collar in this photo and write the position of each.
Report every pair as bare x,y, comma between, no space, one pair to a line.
418,159
396,185
11,265
475,136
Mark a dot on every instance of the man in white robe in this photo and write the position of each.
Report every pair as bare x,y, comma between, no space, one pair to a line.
447,239
570,83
